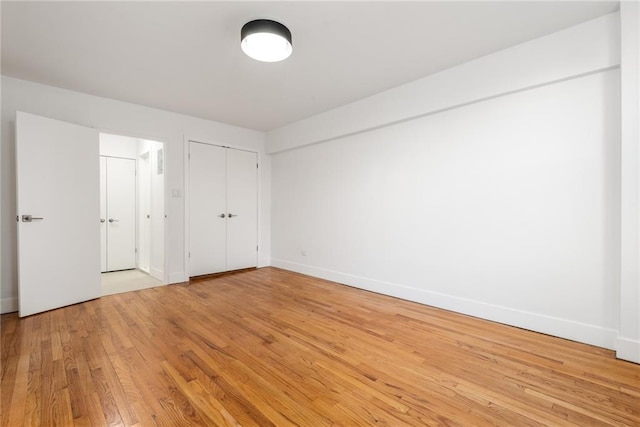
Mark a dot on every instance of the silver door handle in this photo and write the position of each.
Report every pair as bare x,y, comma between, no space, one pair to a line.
29,218
102,219
221,215
232,215
113,220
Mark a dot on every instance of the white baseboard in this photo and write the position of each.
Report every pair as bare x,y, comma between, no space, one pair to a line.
563,328
627,349
8,305
178,277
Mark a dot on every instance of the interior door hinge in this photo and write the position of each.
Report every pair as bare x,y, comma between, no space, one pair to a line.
256,248
257,166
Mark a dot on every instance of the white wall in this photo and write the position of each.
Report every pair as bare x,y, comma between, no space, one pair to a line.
118,146
501,201
118,118
628,344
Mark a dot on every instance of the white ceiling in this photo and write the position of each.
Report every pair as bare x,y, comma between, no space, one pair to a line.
185,56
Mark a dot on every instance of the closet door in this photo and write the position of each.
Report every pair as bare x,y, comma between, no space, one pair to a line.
207,209
121,214
103,214
242,209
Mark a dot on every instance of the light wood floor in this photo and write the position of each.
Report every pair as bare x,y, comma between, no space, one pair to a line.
272,348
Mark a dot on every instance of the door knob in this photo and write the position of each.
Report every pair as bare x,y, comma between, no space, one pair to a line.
221,215
232,215
29,218
102,220
113,220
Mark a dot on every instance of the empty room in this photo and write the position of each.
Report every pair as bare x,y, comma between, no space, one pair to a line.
320,213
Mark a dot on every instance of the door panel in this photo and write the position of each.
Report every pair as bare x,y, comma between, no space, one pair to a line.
121,214
103,214
58,180
242,227
207,201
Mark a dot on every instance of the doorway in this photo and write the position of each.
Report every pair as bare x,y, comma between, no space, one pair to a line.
132,213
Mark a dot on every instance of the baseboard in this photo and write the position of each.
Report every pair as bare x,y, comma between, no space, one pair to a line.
627,349
8,305
563,328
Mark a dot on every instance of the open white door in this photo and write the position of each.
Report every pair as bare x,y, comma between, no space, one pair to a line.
58,202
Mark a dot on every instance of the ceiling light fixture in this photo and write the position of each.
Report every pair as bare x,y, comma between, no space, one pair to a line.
266,40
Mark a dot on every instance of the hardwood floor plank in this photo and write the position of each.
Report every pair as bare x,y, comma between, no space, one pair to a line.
77,395
107,403
18,385
145,383
208,411
96,413
61,412
32,410
232,388
268,347
138,408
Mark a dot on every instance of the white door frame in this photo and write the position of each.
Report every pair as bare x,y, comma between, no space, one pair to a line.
163,141
185,151
143,205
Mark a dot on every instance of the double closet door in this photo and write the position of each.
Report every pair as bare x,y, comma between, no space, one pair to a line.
117,213
223,209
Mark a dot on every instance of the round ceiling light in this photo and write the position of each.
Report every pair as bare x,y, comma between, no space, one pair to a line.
266,40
